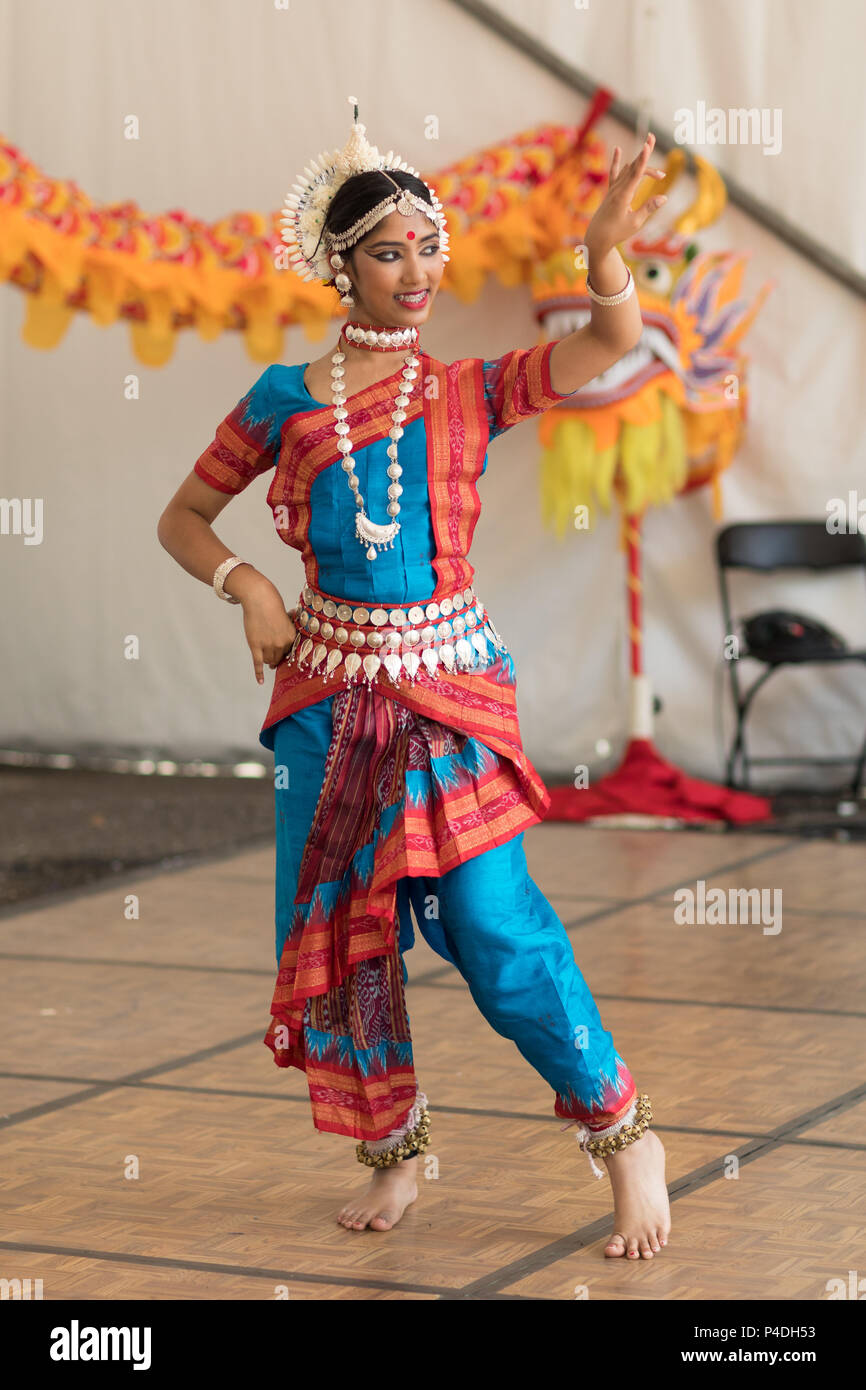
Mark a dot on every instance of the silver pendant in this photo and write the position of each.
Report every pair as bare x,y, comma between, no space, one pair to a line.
464,652
334,659
392,664
372,534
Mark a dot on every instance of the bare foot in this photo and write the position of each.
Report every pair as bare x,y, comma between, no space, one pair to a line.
641,1210
390,1192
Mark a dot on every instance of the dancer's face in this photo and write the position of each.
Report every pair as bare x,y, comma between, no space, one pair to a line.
399,256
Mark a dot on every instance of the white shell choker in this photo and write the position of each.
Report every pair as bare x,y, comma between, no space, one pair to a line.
367,335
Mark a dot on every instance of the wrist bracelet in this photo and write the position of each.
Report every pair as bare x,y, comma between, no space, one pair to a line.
220,574
611,299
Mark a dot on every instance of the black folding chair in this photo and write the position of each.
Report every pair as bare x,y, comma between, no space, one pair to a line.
774,545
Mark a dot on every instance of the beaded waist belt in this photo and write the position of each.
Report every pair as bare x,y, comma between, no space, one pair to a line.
336,637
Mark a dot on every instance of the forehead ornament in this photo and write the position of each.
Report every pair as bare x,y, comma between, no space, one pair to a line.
306,206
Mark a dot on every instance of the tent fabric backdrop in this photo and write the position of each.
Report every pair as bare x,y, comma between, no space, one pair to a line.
232,101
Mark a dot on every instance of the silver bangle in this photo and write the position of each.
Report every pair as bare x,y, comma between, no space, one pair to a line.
611,299
220,574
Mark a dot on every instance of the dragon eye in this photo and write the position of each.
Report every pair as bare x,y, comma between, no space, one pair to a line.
653,275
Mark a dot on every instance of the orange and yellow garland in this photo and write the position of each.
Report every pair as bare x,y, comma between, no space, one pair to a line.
515,211
164,272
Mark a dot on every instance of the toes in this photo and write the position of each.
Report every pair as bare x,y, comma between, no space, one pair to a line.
352,1219
357,1219
637,1247
383,1222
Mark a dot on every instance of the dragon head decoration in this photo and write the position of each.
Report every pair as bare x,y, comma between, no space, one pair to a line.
667,417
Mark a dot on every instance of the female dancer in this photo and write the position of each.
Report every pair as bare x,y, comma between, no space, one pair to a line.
400,779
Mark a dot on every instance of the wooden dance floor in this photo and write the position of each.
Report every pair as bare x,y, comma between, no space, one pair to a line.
151,1149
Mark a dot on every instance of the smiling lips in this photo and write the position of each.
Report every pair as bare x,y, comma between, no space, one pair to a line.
413,301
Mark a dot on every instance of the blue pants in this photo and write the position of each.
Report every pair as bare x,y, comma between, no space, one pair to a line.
487,917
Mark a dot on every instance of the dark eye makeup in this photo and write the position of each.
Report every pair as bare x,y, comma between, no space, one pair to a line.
381,255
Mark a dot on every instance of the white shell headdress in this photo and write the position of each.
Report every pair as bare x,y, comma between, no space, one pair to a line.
307,204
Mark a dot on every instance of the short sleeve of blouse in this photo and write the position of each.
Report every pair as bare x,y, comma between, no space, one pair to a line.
246,443
517,386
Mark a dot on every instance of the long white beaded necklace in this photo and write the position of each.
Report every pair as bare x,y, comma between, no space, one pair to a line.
373,534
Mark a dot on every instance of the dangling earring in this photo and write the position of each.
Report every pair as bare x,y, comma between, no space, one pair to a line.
342,282
344,285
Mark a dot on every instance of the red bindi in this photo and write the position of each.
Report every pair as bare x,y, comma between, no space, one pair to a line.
411,236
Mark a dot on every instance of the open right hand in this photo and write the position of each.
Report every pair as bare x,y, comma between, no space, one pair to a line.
268,626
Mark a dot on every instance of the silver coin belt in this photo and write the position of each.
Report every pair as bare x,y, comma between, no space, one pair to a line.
337,638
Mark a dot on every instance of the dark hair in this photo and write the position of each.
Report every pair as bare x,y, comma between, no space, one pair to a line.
360,193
